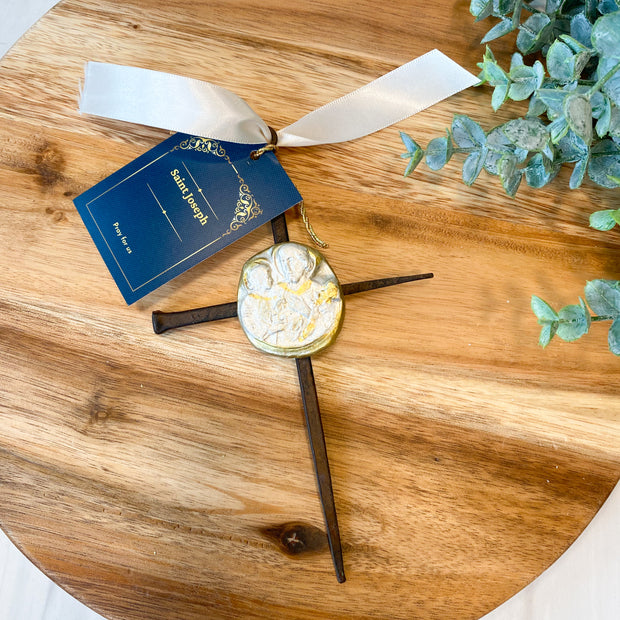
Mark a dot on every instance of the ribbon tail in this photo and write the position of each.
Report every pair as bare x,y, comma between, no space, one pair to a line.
170,102
389,99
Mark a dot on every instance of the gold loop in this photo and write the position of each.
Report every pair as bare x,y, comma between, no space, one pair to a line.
310,230
263,149
270,146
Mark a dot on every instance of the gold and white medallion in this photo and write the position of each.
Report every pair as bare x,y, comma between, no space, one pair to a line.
289,301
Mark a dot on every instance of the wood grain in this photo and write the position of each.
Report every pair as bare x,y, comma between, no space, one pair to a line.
164,475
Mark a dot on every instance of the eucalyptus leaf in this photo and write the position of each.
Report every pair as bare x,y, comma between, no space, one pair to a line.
488,54
467,133
494,74
414,151
438,152
561,61
578,113
605,163
500,94
547,332
603,296
558,129
481,8
604,119
614,122
473,164
539,70
606,35
574,44
416,158
549,151
499,30
573,322
598,102
581,61
503,7
590,9
551,6
509,174
612,87
498,145
525,80
543,311
536,174
410,144
586,313
527,133
613,337
516,60
578,174
571,147
534,33
539,171
487,60
603,220
608,6
553,99
536,106
581,29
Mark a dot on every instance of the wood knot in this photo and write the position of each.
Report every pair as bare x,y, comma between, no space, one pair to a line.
295,539
57,215
49,165
98,416
101,411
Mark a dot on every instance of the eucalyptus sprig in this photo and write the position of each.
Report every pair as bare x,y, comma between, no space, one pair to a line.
574,109
574,321
573,117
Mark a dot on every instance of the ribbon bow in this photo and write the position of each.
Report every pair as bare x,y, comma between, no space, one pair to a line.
199,108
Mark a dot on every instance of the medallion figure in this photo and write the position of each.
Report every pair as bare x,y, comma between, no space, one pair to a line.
289,301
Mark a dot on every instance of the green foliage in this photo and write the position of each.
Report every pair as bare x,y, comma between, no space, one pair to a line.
572,322
605,220
573,115
414,152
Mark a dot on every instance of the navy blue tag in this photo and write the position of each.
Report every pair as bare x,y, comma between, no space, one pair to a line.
178,204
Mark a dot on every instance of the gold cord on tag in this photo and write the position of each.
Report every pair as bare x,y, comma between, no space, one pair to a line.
272,145
317,240
263,149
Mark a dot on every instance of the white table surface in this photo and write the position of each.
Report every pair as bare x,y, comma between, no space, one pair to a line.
583,584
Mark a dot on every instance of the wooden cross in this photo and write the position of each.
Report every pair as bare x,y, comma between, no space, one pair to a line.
164,321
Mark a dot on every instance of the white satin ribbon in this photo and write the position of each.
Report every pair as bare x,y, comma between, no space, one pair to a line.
200,108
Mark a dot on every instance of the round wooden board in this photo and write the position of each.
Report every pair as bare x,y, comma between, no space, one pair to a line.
152,476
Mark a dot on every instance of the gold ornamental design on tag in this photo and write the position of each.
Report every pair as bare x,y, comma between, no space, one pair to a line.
247,208
289,301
